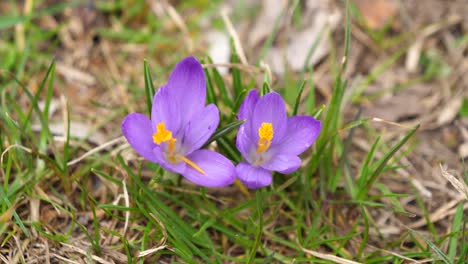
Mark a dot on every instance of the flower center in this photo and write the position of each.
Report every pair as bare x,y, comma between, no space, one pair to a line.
164,135
265,134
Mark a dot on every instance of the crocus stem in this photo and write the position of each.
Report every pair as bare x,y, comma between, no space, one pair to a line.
259,231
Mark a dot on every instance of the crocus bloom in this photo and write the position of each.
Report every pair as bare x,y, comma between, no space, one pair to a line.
269,140
180,125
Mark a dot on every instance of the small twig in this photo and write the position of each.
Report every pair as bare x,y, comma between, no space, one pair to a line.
151,251
241,67
47,251
160,8
96,149
21,248
127,204
8,149
380,120
65,259
395,254
162,242
443,212
163,228
234,36
328,257
83,252
171,11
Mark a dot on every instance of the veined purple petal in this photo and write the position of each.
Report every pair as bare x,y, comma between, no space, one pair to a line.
253,177
200,128
165,110
178,167
248,105
302,132
219,171
282,163
270,109
246,109
187,88
138,131
244,143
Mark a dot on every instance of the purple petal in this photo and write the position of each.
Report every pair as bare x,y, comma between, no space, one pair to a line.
165,110
138,131
178,167
284,164
302,132
270,109
187,88
219,171
244,143
247,107
200,128
253,177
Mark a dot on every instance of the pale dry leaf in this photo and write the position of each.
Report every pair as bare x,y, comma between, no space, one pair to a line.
463,150
413,55
450,111
72,74
322,18
329,257
265,21
457,183
77,130
398,107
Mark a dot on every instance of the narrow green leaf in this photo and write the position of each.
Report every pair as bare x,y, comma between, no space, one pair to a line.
383,162
149,86
210,92
298,98
236,75
238,102
271,37
436,249
259,227
223,131
223,91
363,175
455,230
347,37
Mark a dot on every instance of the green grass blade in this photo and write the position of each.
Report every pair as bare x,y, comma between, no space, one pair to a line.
223,131
364,173
271,37
210,92
258,228
220,84
236,75
436,249
347,45
455,230
383,162
298,98
149,86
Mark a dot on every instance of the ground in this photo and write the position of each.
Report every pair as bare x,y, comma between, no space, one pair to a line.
384,183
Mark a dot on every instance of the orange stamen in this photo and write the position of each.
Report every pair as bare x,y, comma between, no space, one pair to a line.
265,134
191,163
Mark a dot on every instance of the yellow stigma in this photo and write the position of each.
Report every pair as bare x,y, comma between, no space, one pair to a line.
162,135
265,134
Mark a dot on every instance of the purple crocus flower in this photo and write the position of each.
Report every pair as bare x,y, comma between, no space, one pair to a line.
180,124
269,140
